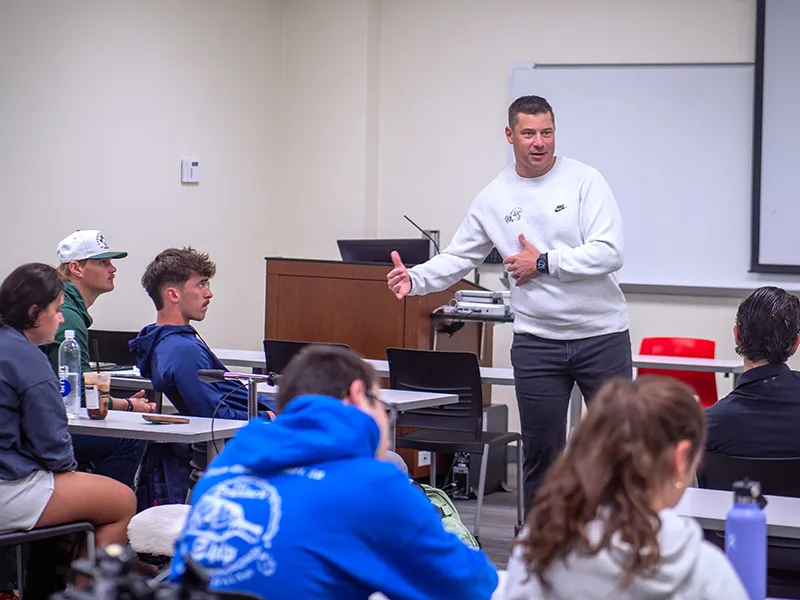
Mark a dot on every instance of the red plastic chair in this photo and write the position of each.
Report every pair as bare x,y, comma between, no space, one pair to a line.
703,383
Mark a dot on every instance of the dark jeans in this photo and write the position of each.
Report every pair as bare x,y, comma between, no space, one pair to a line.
113,457
544,374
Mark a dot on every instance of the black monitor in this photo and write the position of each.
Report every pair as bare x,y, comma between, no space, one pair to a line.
413,251
113,347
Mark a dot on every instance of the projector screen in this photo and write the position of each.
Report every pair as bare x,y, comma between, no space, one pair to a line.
776,152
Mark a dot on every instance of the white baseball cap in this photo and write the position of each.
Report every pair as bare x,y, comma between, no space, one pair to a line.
83,244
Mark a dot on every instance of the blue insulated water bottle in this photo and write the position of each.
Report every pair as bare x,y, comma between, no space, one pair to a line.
746,538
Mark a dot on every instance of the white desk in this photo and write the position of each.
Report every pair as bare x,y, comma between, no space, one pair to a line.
121,424
397,401
254,359
400,400
710,507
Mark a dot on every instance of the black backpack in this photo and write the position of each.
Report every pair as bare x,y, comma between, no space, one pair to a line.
165,475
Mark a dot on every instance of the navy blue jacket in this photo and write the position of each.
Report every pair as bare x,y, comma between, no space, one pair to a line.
33,421
760,418
171,355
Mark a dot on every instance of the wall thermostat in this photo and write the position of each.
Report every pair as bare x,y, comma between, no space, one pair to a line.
190,170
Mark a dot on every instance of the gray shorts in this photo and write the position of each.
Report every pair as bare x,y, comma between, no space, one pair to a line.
24,500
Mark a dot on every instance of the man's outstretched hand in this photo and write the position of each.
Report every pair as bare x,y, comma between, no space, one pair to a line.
398,278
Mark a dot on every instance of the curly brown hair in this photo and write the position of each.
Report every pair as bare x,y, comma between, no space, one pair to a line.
175,266
618,459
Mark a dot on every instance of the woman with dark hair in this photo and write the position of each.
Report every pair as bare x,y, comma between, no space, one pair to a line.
602,525
38,482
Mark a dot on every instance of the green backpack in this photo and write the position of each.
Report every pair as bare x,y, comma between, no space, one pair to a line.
449,515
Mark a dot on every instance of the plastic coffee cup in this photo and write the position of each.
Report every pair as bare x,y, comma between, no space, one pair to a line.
98,394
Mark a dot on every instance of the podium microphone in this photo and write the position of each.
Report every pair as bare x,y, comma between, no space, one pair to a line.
425,233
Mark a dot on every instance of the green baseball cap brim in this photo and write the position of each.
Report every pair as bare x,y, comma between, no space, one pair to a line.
109,255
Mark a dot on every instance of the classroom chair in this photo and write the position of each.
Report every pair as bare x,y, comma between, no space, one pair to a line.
278,353
778,477
455,427
19,539
703,383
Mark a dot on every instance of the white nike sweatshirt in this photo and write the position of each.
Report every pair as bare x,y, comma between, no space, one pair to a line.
571,214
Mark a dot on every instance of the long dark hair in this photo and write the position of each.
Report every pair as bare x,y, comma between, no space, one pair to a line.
31,285
618,458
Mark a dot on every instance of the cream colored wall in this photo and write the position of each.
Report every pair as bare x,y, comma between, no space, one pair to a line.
329,123
101,100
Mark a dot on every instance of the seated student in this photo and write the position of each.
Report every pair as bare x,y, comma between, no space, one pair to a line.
760,418
87,271
170,351
303,508
602,525
38,482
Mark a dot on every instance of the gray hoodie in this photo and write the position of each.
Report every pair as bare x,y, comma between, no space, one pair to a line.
691,569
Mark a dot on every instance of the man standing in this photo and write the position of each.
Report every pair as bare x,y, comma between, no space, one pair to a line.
85,265
557,225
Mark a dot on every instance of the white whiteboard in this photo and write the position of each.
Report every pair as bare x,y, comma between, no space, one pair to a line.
674,143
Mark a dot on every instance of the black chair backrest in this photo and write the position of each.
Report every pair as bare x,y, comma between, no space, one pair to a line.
444,373
278,353
777,476
113,346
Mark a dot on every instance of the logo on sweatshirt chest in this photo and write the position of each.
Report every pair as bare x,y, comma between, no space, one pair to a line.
560,207
514,215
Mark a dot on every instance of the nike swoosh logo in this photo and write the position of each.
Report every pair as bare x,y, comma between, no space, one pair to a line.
560,207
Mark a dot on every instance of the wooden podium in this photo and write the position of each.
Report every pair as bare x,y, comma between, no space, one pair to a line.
349,303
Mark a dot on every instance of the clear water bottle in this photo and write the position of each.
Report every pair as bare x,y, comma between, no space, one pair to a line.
69,373
746,538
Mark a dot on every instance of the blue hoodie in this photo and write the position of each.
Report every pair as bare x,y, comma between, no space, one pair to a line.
171,355
299,508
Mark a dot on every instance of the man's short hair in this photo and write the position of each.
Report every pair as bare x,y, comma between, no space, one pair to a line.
175,266
769,323
529,105
324,371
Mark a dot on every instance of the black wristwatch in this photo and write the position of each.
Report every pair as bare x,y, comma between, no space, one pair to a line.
542,264
130,405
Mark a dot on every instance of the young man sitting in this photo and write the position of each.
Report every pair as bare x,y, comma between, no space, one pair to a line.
84,263
303,508
170,351
760,418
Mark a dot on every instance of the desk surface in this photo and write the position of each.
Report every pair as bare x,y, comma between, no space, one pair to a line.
710,507
400,400
120,424
679,363
254,359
